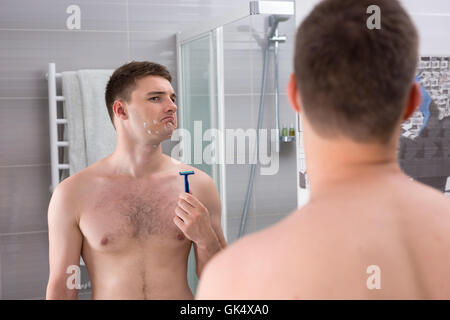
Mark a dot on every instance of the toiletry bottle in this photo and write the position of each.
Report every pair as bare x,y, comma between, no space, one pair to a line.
292,131
284,131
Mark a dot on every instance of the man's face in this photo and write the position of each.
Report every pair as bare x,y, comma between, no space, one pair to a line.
152,109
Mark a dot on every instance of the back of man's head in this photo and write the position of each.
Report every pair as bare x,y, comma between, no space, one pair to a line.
355,81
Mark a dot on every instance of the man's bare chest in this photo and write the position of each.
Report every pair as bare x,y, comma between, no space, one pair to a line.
121,215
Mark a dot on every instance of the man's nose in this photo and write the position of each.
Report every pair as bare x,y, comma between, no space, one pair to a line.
171,106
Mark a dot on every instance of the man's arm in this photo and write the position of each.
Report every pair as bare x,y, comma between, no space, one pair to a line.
206,249
65,241
199,217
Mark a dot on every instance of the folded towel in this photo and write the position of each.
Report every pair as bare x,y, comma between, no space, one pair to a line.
73,112
100,135
90,133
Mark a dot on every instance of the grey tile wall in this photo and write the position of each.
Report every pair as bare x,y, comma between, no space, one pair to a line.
113,32
24,265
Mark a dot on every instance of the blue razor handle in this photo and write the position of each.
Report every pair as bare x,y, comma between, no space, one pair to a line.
186,181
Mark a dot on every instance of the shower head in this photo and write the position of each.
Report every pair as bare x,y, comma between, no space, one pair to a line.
273,22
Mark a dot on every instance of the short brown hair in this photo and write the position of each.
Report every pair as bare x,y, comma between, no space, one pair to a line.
123,81
355,81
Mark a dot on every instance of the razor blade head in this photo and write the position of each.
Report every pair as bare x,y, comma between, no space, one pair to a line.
185,173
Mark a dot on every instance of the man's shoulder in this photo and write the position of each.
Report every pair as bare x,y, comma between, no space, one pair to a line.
236,272
429,191
423,199
257,245
199,179
229,271
79,182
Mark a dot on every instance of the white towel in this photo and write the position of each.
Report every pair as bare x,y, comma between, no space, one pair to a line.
91,135
100,135
73,111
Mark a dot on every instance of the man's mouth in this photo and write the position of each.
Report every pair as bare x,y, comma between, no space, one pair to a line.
168,118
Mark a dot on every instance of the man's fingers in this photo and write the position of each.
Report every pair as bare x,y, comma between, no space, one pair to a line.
178,222
186,206
193,201
184,216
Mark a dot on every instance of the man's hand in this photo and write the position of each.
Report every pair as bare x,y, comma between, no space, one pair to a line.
193,219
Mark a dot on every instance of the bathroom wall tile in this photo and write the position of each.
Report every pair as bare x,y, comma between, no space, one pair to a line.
25,87
240,118
432,29
24,132
148,16
287,115
423,7
176,3
27,54
155,47
233,227
51,14
168,145
24,198
277,193
286,64
260,222
238,65
239,112
25,265
253,224
237,177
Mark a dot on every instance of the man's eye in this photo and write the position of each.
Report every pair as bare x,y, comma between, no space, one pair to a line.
154,99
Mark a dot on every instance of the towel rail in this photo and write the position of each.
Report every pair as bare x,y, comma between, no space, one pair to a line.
53,98
62,143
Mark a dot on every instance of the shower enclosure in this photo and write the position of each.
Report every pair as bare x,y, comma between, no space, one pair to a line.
232,76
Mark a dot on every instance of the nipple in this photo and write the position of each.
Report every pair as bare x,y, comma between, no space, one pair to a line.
180,236
104,241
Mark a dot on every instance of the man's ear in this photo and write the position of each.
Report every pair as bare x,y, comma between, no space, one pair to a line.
293,94
120,109
414,101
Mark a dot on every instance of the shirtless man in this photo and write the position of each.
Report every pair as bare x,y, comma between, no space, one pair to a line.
368,231
127,214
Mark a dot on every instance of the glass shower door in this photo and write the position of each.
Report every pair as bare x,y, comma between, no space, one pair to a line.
199,99
198,112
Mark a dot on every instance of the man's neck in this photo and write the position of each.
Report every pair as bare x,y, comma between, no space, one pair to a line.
330,163
137,160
